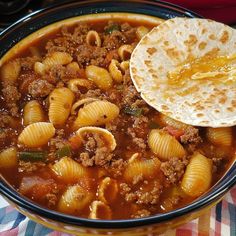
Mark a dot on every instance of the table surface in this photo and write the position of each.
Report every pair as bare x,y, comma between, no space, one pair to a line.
219,221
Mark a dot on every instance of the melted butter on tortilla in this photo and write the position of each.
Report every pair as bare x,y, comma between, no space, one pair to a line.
220,69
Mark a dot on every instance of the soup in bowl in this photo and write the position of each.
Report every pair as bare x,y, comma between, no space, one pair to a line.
78,141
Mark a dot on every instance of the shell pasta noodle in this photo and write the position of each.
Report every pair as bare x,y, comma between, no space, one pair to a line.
77,137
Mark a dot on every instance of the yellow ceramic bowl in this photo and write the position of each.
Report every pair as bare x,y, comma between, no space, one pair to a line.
35,26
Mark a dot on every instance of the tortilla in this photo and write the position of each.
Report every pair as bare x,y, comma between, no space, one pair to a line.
186,69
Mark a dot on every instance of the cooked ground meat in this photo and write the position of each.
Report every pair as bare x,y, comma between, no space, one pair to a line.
130,95
116,167
191,135
27,166
140,142
97,153
90,55
5,120
69,41
51,199
27,63
59,140
11,95
114,40
128,31
142,196
173,169
40,88
141,213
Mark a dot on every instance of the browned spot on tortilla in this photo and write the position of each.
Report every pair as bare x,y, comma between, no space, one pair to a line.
147,63
151,51
202,45
166,43
233,103
151,71
212,37
213,52
205,122
199,107
173,53
200,115
155,76
192,40
164,107
204,30
230,109
222,100
225,37
217,111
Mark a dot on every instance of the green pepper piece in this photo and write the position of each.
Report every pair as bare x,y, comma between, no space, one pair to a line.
64,151
133,111
112,28
33,156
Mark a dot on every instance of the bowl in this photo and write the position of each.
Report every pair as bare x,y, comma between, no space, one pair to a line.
34,26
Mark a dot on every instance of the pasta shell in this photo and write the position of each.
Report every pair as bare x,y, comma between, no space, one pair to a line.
33,112
60,103
107,135
57,58
141,31
145,168
74,199
10,71
99,210
165,145
81,103
115,72
220,136
166,120
99,76
36,134
125,51
198,175
73,66
108,190
93,38
96,113
73,84
69,170
8,158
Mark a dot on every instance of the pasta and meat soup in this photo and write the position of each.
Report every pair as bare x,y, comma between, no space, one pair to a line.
76,137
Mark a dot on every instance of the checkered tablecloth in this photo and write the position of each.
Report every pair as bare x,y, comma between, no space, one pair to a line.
219,221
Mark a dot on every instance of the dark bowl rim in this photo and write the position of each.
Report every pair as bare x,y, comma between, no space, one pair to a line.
27,204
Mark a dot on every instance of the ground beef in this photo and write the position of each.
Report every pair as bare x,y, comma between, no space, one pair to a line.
128,31
114,40
130,95
59,140
27,166
173,169
97,153
40,88
142,196
141,213
27,63
51,199
11,95
90,55
93,93
69,41
138,131
116,167
191,135
5,120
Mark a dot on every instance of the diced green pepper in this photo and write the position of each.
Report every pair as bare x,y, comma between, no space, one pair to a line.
153,125
64,151
33,156
133,111
112,28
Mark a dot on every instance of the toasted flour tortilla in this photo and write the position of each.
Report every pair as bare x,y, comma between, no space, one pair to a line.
204,98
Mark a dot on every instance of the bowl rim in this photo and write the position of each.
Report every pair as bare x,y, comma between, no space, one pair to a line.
27,204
